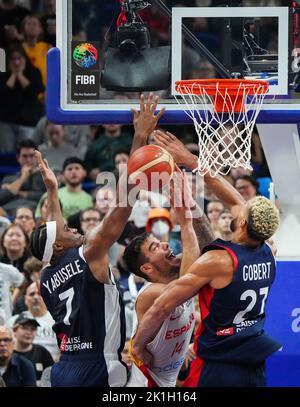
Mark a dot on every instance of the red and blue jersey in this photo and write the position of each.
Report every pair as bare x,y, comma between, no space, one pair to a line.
232,327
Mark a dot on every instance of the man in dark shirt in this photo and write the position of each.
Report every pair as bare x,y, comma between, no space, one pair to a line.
26,187
15,370
101,152
25,328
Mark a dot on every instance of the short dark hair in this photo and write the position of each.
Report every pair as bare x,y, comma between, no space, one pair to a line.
26,144
88,210
72,160
133,256
250,179
38,240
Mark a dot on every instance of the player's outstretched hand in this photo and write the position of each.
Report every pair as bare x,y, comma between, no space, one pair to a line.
48,175
181,196
174,146
145,120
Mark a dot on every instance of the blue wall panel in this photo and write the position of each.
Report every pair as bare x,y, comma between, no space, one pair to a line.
283,323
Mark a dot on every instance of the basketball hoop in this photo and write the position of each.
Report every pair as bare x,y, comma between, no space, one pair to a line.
224,112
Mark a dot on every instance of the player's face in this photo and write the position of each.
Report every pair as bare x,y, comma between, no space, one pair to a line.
69,238
161,256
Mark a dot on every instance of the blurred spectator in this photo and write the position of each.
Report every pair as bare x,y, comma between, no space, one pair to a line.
223,224
246,186
160,225
25,218
55,149
4,223
89,218
48,21
77,136
105,198
26,187
239,172
121,158
35,49
15,247
32,268
214,209
43,210
37,308
15,370
25,329
10,277
129,287
20,108
11,16
72,196
101,152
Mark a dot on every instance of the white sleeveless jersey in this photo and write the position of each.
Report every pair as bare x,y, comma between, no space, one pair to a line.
169,348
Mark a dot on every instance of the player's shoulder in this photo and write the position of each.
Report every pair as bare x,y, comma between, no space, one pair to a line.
147,297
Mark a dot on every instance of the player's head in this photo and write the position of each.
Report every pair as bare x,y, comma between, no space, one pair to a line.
147,257
257,220
48,240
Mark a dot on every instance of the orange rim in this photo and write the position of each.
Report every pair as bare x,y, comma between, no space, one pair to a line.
230,86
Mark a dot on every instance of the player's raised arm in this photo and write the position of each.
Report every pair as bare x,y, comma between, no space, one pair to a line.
104,235
210,266
224,191
50,181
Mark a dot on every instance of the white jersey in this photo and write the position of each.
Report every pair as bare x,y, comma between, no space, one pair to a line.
169,348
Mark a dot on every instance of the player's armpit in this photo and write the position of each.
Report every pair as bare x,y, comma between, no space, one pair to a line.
146,299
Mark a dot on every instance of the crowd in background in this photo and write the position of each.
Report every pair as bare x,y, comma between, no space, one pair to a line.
77,154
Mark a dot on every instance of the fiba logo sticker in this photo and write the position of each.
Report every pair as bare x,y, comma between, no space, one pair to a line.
85,55
85,70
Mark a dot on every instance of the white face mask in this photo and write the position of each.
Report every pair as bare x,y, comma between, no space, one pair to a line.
160,228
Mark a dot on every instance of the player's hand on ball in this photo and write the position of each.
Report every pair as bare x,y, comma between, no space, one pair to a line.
174,146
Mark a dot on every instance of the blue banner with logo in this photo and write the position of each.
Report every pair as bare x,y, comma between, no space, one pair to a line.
283,324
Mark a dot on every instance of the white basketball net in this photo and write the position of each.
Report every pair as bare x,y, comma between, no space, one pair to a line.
224,137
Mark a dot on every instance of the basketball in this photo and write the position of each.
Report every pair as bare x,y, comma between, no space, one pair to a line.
155,163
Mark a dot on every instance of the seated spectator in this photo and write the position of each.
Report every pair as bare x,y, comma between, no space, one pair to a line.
20,108
32,268
10,278
15,247
11,16
43,210
48,21
100,154
160,225
213,210
223,224
36,308
246,186
129,287
89,218
55,150
25,188
121,158
15,370
77,136
25,329
105,198
72,196
25,218
35,49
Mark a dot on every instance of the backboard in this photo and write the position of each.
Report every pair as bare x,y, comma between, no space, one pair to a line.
93,76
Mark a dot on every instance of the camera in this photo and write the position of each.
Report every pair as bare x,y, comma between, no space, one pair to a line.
133,35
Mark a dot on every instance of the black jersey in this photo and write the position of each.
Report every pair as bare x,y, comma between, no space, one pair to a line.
88,315
232,327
